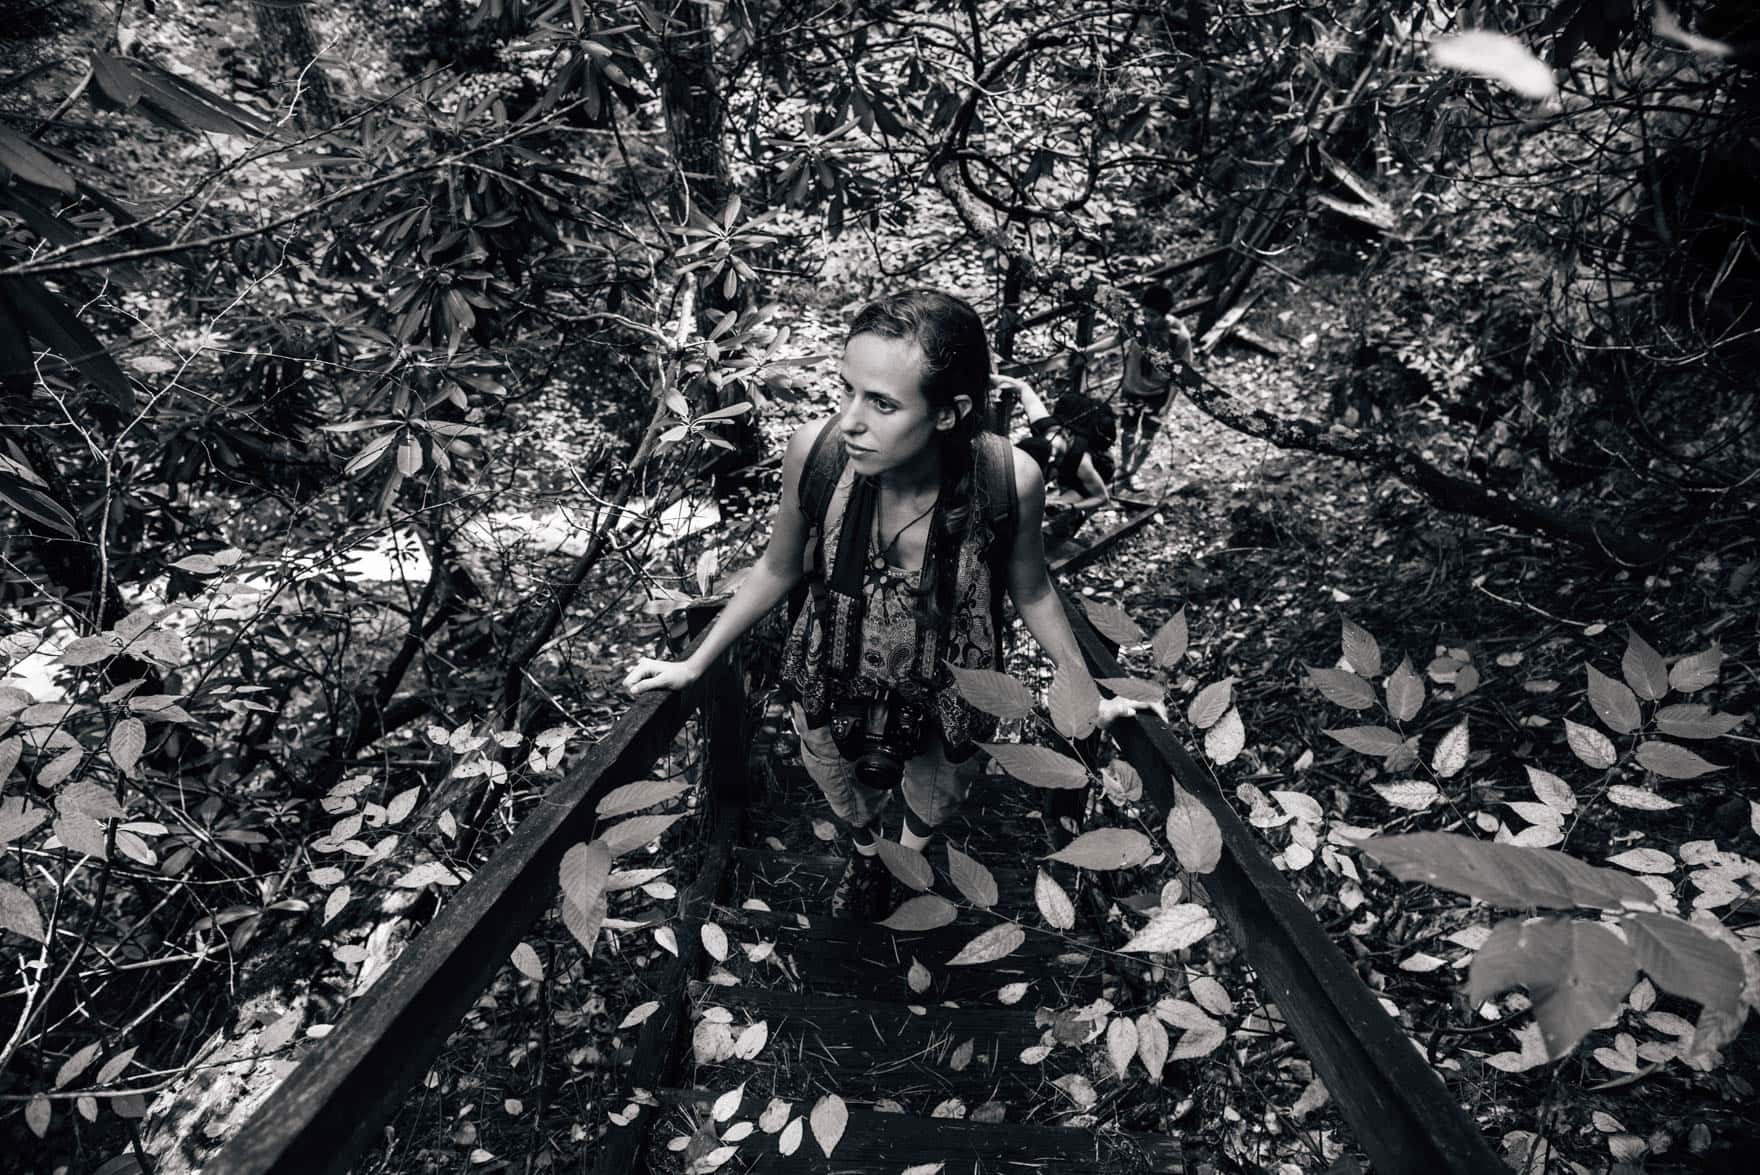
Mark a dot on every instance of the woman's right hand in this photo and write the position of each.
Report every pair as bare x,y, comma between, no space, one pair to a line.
649,674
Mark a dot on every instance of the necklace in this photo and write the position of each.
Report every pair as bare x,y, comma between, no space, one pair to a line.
879,561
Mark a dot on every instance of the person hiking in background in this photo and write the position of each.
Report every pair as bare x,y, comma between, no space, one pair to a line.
1145,392
1070,445
909,523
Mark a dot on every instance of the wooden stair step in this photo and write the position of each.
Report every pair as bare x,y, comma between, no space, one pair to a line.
840,956
875,1142
804,882
872,1049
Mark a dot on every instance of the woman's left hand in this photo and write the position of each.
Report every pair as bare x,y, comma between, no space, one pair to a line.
1112,709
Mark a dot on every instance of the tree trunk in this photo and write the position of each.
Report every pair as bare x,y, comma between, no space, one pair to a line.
696,124
290,59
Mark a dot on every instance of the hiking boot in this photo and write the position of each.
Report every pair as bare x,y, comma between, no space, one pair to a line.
864,891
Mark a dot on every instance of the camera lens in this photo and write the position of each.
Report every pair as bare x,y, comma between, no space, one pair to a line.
879,770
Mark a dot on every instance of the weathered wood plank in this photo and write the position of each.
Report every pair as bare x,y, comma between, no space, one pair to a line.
839,956
1076,556
350,1083
1399,1109
871,1049
876,1142
803,882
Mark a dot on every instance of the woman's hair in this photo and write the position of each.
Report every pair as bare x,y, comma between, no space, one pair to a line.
956,358
1158,298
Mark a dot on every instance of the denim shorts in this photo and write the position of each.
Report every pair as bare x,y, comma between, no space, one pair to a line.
933,787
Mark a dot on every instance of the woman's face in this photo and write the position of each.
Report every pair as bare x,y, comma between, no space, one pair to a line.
884,419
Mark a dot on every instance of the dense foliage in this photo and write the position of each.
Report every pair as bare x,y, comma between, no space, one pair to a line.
367,375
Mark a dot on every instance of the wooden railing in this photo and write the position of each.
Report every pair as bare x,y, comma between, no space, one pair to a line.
348,1085
1401,1113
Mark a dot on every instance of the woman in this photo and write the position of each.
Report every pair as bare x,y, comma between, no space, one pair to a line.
900,576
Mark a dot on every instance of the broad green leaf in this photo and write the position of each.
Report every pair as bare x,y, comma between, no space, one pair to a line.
1590,745
1638,798
1194,834
1224,742
583,872
1342,688
926,911
19,914
1212,996
775,1115
1378,741
790,1139
1451,752
993,692
1650,861
751,1040
1037,766
637,831
1115,624
1361,650
37,1113
1210,703
917,977
1074,703
1134,688
714,941
1121,1044
1687,720
17,820
1696,671
1170,643
1577,975
1511,876
1643,668
908,865
1152,1045
1200,1041
1613,702
1172,929
639,1013
90,799
108,1071
727,1105
1685,961
1106,849
996,943
1498,56
1054,905
972,879
1673,761
1405,692
1412,794
78,1063
1551,790
526,961
633,797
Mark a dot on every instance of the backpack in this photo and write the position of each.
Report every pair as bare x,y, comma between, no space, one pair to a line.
993,460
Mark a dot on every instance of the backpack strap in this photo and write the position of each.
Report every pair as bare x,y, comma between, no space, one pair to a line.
995,472
819,475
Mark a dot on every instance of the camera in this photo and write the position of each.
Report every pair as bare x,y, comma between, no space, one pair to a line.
877,727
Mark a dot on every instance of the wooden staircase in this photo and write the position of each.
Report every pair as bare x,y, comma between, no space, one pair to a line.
928,1072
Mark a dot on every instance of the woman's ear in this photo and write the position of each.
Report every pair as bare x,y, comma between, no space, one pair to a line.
948,417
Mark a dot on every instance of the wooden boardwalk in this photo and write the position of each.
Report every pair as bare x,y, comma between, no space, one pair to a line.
930,1073
924,1078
